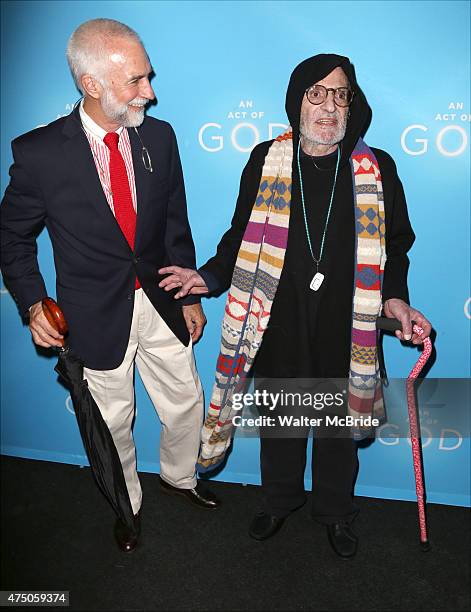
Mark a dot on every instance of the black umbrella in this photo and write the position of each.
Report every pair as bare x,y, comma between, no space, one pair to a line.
96,437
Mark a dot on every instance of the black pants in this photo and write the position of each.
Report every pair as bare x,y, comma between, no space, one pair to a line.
306,346
334,469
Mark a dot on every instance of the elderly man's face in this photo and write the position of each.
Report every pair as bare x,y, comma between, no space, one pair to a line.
127,88
326,123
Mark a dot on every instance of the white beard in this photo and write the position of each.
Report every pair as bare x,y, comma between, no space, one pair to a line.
312,135
121,113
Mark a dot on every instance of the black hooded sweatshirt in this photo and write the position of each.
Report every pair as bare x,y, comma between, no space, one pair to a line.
309,333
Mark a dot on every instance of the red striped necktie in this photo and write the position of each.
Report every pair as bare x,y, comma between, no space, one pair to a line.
122,199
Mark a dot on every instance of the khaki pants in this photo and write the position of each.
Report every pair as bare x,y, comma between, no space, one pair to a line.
168,371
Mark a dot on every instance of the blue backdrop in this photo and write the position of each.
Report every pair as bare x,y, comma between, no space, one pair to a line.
221,76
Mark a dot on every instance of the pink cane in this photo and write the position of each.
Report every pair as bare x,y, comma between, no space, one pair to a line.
393,325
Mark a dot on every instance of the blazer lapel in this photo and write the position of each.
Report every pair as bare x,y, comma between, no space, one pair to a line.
77,149
143,179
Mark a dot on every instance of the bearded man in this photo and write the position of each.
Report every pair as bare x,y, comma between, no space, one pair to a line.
317,248
107,183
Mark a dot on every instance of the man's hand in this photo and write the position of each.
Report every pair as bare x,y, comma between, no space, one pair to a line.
398,309
187,279
195,320
43,333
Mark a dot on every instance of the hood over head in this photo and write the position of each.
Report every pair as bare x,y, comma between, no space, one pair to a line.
313,70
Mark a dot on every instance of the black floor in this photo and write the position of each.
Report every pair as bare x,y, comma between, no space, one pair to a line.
57,534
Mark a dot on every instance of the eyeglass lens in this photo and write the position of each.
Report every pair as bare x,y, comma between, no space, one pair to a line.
317,94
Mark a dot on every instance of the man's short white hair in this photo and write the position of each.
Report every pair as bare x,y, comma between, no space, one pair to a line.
87,47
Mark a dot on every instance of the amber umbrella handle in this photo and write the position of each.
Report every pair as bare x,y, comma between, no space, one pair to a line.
55,316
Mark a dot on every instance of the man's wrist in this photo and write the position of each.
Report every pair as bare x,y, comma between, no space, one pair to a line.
189,300
210,281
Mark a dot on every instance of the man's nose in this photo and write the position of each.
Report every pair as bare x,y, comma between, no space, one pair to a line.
146,90
329,104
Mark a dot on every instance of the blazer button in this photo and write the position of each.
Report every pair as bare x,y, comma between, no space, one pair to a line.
130,297
136,260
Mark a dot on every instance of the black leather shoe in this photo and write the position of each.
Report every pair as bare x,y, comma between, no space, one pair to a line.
342,539
264,526
200,496
126,538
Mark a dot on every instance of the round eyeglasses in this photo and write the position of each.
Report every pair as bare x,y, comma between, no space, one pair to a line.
317,94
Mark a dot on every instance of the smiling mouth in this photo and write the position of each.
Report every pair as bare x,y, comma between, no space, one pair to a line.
327,121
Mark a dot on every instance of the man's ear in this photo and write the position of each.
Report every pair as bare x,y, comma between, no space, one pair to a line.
91,86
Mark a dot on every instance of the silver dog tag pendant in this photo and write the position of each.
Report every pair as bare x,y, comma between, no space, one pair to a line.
317,281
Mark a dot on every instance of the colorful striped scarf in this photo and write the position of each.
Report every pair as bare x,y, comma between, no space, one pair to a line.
255,280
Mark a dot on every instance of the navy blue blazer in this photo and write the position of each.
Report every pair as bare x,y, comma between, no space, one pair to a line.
54,182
